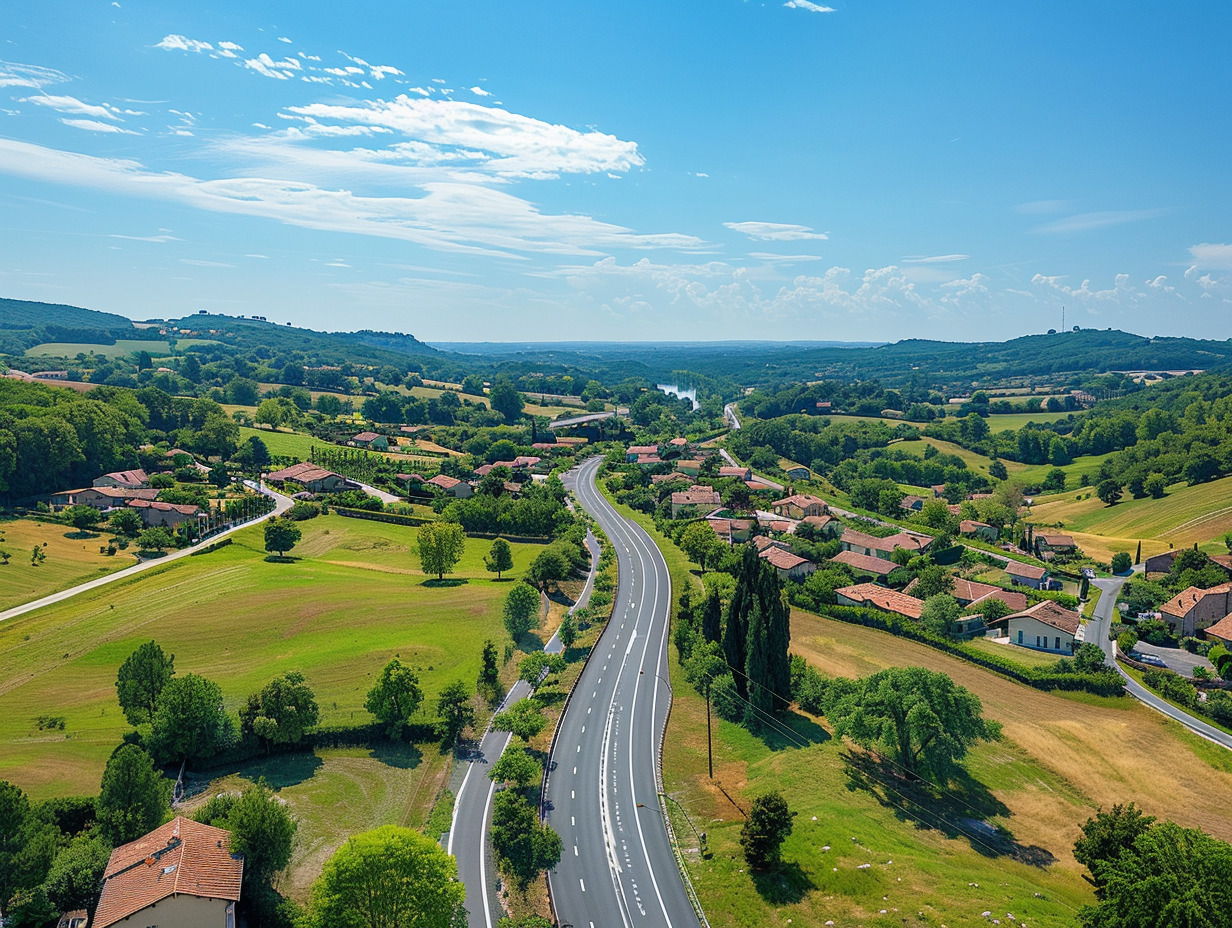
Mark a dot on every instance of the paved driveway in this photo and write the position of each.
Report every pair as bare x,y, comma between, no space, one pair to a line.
1177,659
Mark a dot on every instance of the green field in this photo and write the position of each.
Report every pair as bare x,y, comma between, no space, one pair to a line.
1032,473
69,560
299,445
354,599
157,347
1015,421
1187,515
929,862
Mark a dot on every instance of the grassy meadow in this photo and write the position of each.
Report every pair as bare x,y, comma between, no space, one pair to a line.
69,560
870,850
353,598
157,347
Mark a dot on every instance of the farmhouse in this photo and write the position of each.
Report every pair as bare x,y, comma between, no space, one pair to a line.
1027,574
127,479
974,593
739,473
694,501
878,597
100,498
312,478
1221,632
789,566
800,505
634,452
1050,544
1044,627
731,531
370,440
975,529
182,873
1194,609
154,512
882,547
863,564
826,526
459,489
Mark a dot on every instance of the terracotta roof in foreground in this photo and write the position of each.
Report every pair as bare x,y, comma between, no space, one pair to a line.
1049,613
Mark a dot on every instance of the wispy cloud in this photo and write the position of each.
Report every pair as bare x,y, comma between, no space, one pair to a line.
146,238
774,231
183,43
13,74
93,125
1212,255
71,106
806,5
201,262
1092,222
934,259
266,66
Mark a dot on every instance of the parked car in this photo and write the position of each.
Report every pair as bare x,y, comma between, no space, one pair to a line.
1088,573
1148,659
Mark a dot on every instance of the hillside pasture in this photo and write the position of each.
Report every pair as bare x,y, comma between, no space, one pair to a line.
353,598
299,445
870,850
69,560
157,347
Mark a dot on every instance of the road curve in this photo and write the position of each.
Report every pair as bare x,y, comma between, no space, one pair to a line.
618,869
281,504
1097,632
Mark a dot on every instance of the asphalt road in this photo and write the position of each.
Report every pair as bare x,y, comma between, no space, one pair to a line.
281,505
472,811
1097,632
618,869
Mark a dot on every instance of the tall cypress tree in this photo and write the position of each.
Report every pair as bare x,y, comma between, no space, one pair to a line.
778,637
757,663
735,635
712,618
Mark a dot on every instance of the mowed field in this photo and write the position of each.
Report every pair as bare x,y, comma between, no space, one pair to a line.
1186,515
69,561
873,852
158,347
1031,473
354,598
299,445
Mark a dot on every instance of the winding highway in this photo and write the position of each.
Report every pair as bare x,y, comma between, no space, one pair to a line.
618,869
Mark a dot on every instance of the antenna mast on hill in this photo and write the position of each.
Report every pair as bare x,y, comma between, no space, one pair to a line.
1062,318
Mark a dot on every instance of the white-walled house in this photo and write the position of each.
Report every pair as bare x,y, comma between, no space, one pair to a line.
1043,627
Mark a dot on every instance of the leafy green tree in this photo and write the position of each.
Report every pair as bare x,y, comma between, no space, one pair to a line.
270,412
387,878
281,713
440,547
262,830
281,535
997,469
992,609
141,680
516,766
933,580
549,566
763,833
1155,485
711,620
568,631
135,797
394,697
537,663
27,846
77,874
940,614
253,455
83,518
919,718
524,848
454,712
155,539
521,610
190,722
489,671
1121,562
700,544
1109,491
126,522
1089,658
505,399
524,719
1108,835
500,557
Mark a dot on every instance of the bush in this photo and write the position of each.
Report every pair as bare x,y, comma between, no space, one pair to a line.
303,511
1154,631
1172,687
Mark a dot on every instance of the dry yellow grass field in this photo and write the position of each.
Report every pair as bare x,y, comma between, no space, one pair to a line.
69,561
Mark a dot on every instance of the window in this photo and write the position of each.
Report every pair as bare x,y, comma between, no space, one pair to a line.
1058,647
1020,636
1037,641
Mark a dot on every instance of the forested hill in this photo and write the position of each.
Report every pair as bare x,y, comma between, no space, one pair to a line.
24,324
365,345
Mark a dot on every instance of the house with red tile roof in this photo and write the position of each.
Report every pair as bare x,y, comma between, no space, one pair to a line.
1221,632
155,512
633,452
799,505
1027,574
872,546
973,528
1050,544
739,473
973,594
182,873
99,497
125,479
789,566
373,440
879,597
1043,627
731,531
459,489
864,564
695,501
312,478
1194,609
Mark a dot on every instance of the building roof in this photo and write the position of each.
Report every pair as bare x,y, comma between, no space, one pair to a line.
174,451
695,496
1049,613
733,471
678,442
300,473
407,478
1055,539
783,560
642,449
1222,629
803,500
890,600
1184,601
908,502
971,526
366,436
444,481
888,544
182,857
132,478
160,506
120,493
1030,571
649,459
974,593
864,563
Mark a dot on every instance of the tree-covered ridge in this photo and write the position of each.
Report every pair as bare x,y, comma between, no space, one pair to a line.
24,324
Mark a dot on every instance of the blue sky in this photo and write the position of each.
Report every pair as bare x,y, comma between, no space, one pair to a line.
639,170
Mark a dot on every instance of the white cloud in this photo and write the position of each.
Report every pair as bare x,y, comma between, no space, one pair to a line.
283,38
146,238
182,43
1211,255
1160,284
480,92
265,65
230,47
199,262
93,125
72,106
381,71
1090,222
770,258
1121,292
498,142
934,259
806,5
13,74
448,216
774,231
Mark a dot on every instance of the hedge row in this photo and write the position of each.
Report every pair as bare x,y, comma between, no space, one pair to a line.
1107,683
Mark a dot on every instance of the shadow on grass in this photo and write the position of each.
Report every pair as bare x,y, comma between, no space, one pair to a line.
282,770
961,810
281,559
802,728
444,582
82,535
397,754
786,884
